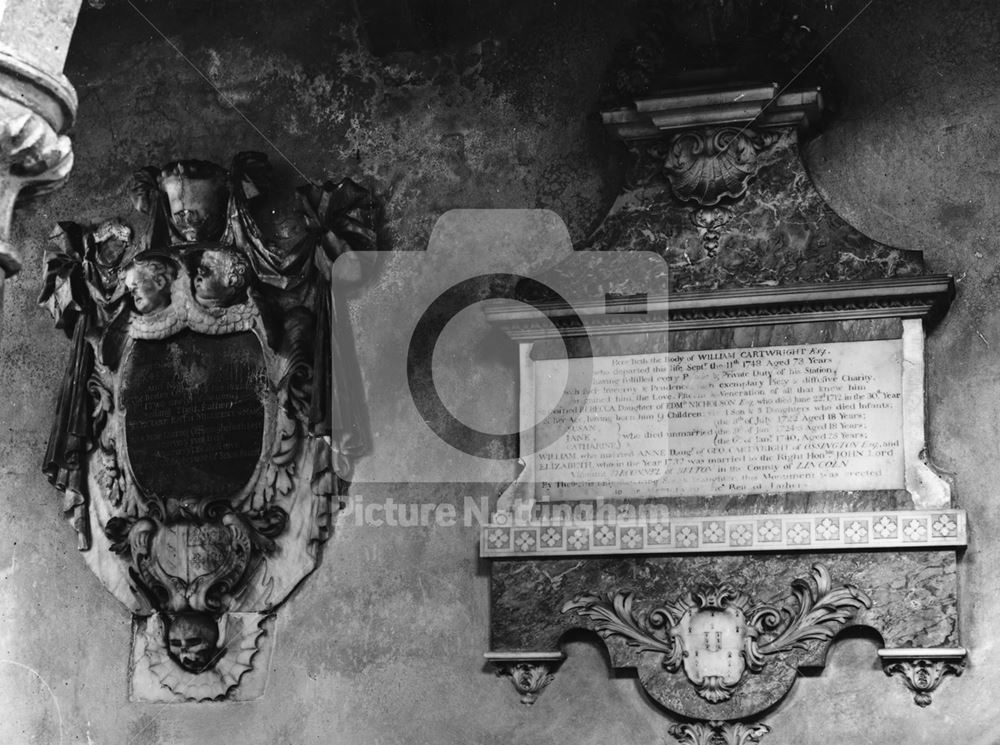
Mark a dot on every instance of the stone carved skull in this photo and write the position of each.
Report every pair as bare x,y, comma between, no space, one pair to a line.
192,641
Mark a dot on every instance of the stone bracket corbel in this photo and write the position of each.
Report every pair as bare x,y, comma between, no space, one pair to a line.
923,668
34,159
529,672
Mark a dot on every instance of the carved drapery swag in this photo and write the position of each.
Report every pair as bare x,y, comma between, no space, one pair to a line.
212,403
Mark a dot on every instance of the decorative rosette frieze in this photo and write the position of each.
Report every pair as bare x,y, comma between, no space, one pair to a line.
514,535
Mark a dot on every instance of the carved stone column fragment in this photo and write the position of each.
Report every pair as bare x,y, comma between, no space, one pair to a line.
529,672
37,108
923,669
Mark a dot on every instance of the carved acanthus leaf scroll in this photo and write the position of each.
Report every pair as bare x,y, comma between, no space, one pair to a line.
614,616
713,635
823,610
719,733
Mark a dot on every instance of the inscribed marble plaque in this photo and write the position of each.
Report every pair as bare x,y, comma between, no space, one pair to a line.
195,407
818,417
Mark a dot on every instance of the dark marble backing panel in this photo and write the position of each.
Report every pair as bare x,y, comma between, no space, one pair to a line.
913,592
780,232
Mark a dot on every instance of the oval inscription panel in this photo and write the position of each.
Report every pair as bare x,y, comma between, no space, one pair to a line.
194,413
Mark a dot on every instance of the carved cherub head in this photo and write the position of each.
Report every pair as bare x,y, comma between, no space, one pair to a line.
192,641
221,277
148,280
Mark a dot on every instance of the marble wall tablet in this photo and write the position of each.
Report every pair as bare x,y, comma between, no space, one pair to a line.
195,413
818,417
783,391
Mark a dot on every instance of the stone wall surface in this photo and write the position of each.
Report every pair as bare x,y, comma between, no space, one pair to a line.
488,108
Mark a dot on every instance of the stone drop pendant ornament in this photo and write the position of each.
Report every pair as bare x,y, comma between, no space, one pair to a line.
528,678
210,409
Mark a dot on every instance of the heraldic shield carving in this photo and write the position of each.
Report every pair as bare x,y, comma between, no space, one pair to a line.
211,407
722,639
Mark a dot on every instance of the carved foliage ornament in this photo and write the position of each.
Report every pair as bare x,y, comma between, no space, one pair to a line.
923,675
719,733
529,678
210,406
717,636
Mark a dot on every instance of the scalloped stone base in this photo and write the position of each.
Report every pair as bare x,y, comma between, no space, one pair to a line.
240,673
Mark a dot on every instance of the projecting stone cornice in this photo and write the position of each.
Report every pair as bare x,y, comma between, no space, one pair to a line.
763,105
